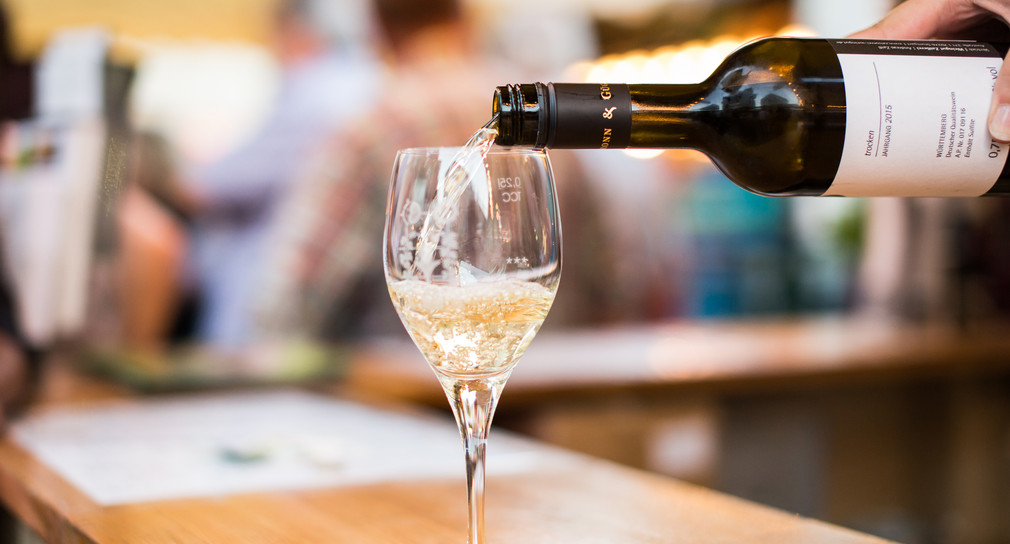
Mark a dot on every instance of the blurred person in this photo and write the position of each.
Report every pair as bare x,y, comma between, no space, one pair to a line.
327,267
971,19
152,245
232,202
326,276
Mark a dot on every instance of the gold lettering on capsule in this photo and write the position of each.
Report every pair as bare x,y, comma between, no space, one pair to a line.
608,113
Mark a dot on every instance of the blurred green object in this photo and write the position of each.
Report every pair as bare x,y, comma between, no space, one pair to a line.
190,367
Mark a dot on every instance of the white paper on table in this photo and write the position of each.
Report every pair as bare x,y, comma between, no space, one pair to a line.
176,447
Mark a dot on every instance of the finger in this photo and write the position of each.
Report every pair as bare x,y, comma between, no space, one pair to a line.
999,111
914,19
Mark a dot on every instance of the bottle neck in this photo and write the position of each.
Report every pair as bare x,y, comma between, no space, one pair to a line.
599,116
671,116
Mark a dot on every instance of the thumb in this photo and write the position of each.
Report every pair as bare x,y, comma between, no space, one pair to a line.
999,111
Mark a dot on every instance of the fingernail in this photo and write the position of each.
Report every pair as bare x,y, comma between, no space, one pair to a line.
999,124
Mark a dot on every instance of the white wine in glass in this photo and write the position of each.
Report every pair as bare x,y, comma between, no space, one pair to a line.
472,256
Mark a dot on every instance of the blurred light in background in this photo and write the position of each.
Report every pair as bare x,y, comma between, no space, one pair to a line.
205,97
224,20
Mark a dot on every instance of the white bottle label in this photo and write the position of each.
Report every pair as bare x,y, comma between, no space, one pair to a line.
916,116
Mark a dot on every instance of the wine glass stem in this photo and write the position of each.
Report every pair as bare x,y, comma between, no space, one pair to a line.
473,404
475,447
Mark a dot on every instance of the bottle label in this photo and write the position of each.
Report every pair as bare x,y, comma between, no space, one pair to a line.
916,116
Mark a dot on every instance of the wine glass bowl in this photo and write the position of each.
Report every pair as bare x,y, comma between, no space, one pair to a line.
473,301
472,258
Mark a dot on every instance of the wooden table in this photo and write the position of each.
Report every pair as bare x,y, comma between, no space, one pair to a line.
560,497
887,427
685,357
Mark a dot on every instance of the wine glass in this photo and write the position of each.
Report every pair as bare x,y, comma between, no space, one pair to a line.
472,256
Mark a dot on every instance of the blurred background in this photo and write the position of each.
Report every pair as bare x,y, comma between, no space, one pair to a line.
192,193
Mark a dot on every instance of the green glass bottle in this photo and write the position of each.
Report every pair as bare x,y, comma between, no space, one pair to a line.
791,116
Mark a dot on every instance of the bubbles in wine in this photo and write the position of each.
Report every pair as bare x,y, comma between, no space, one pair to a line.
476,329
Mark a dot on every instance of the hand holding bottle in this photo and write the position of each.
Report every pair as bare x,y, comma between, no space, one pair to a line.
969,19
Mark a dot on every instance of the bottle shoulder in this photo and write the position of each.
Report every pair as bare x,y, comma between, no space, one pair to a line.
777,108
783,59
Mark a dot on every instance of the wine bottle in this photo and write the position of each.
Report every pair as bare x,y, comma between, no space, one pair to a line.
791,116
